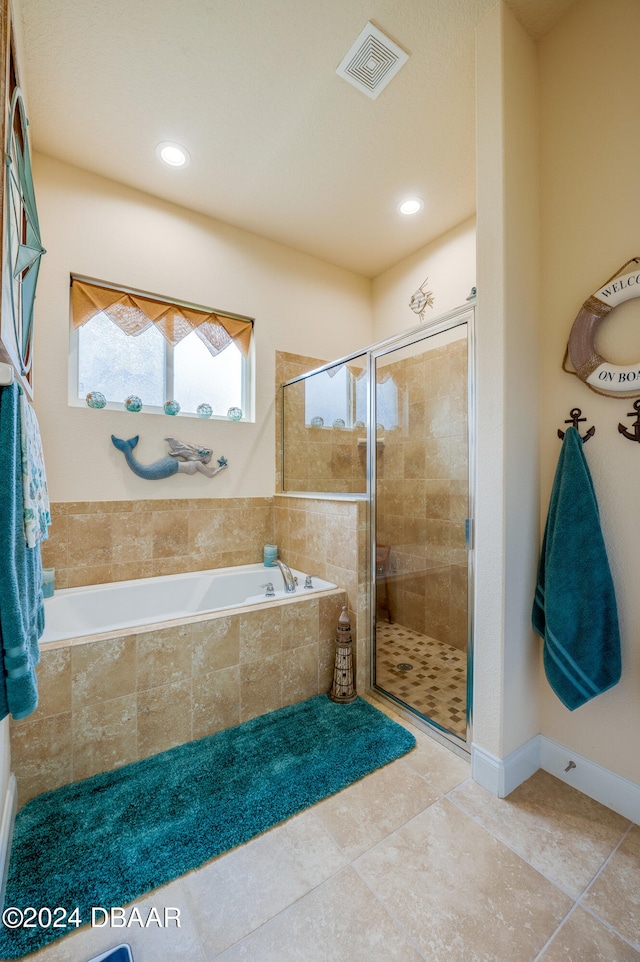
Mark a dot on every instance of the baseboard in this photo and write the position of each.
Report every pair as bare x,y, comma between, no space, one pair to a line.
614,791
6,831
501,775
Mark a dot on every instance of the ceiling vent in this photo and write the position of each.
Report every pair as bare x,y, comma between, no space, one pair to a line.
372,61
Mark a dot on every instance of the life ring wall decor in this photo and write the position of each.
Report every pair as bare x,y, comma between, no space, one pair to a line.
614,380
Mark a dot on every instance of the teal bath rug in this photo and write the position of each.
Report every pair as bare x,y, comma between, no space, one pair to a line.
112,838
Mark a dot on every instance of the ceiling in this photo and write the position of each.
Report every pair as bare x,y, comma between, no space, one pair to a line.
279,144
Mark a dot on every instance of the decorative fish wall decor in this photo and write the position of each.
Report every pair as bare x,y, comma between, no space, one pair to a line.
183,458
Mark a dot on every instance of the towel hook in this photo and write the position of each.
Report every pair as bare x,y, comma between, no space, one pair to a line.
575,419
634,434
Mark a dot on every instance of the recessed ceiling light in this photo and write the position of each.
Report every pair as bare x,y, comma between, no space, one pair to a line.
173,155
412,205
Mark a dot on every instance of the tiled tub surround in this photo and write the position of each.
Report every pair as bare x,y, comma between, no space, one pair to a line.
96,542
326,535
329,538
124,696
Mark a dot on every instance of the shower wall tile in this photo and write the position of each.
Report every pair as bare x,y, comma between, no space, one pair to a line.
423,491
438,499
329,538
108,702
438,412
317,459
97,542
435,376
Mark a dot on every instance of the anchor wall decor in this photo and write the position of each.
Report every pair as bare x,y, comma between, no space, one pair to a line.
183,458
575,419
634,434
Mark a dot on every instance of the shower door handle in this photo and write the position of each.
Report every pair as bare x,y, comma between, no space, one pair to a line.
468,533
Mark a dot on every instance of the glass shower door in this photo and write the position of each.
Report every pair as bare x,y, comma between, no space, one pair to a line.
420,476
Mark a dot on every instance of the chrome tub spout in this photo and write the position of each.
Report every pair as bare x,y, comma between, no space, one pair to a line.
285,571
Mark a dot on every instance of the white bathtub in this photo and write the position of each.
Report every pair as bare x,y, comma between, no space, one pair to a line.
75,612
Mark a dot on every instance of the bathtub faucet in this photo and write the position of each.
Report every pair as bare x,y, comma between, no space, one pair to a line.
285,571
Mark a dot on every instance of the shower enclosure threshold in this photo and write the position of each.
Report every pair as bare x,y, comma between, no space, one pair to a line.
382,698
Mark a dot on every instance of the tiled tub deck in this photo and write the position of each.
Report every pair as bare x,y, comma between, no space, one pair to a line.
119,697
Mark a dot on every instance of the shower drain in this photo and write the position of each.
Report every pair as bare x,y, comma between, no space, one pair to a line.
404,666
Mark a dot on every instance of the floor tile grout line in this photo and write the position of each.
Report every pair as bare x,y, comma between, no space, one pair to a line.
555,933
333,875
399,926
508,845
609,926
192,917
587,888
189,902
605,863
578,900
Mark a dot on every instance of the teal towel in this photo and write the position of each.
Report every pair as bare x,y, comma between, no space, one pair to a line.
574,610
21,602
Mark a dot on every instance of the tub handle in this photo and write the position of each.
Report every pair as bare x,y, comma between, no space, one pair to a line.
308,583
269,593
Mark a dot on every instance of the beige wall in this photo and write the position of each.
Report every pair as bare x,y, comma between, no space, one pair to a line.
101,229
450,264
507,504
590,215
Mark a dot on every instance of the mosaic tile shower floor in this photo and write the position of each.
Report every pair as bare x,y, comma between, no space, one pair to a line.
436,683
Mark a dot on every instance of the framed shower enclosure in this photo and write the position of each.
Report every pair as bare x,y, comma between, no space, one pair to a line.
393,425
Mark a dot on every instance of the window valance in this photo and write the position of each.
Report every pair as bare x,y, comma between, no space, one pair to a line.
133,313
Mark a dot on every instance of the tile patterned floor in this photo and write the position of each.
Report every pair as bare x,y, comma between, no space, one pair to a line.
436,683
414,863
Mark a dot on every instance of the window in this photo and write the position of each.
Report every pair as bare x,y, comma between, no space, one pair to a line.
340,394
336,394
127,343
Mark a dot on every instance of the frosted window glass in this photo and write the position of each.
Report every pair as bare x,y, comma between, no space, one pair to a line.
200,377
361,398
387,403
327,397
119,365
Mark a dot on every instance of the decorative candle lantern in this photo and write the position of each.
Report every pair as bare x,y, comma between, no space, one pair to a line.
343,689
